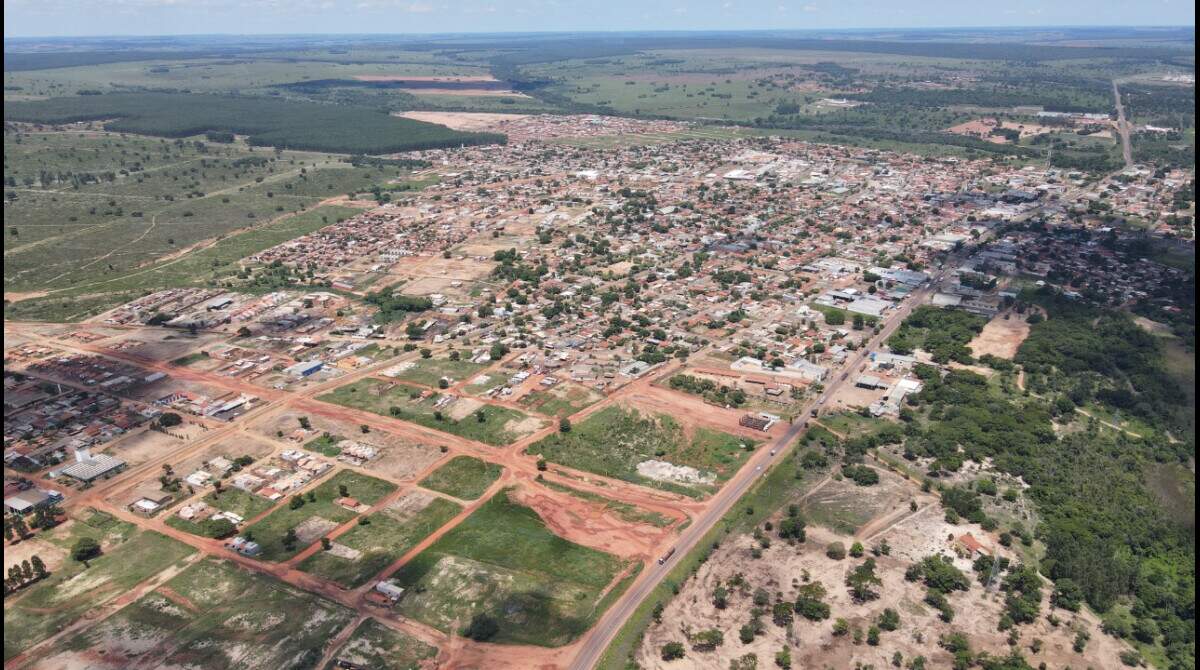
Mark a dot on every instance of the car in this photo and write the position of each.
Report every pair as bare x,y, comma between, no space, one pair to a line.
773,452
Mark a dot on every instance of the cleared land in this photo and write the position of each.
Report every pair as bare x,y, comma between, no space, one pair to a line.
502,561
213,615
498,426
654,450
374,645
380,538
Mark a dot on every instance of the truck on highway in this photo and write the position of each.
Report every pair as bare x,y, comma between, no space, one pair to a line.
666,556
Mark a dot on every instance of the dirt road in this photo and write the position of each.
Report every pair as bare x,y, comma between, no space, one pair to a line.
1123,127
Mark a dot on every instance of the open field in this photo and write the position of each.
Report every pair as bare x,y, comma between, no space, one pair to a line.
654,450
428,371
562,399
380,538
500,425
463,477
212,615
315,517
503,562
374,645
1001,337
128,556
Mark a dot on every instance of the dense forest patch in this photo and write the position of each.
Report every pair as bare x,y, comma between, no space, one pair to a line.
267,122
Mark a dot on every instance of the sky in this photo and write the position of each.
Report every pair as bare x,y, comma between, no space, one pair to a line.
182,17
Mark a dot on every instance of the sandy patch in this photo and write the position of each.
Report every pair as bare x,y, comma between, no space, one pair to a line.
342,551
463,120
1001,337
662,471
404,77
52,555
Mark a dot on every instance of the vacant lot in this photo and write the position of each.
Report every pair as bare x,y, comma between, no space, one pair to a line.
313,515
463,477
648,449
128,557
502,561
562,399
213,615
428,371
374,645
378,539
464,417
1001,337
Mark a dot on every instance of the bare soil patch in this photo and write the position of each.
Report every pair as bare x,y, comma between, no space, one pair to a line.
463,120
1001,337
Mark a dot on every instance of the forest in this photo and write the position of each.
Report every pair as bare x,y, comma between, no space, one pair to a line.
268,122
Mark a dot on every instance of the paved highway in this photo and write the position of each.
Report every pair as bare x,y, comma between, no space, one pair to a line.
601,636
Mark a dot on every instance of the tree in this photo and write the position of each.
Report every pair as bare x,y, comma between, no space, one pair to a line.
889,619
85,549
169,420
326,544
39,567
482,628
564,425
217,528
290,539
861,581
672,651
304,422
856,550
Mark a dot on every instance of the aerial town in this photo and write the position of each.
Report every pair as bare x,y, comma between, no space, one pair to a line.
627,393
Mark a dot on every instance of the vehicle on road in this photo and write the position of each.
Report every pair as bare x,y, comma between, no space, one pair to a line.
664,557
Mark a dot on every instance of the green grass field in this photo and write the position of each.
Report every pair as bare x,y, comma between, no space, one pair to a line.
215,615
129,557
500,425
385,538
503,561
613,441
271,530
463,477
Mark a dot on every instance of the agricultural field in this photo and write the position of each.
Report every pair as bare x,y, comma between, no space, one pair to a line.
374,645
315,517
502,562
212,615
463,477
128,556
654,450
380,538
464,417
